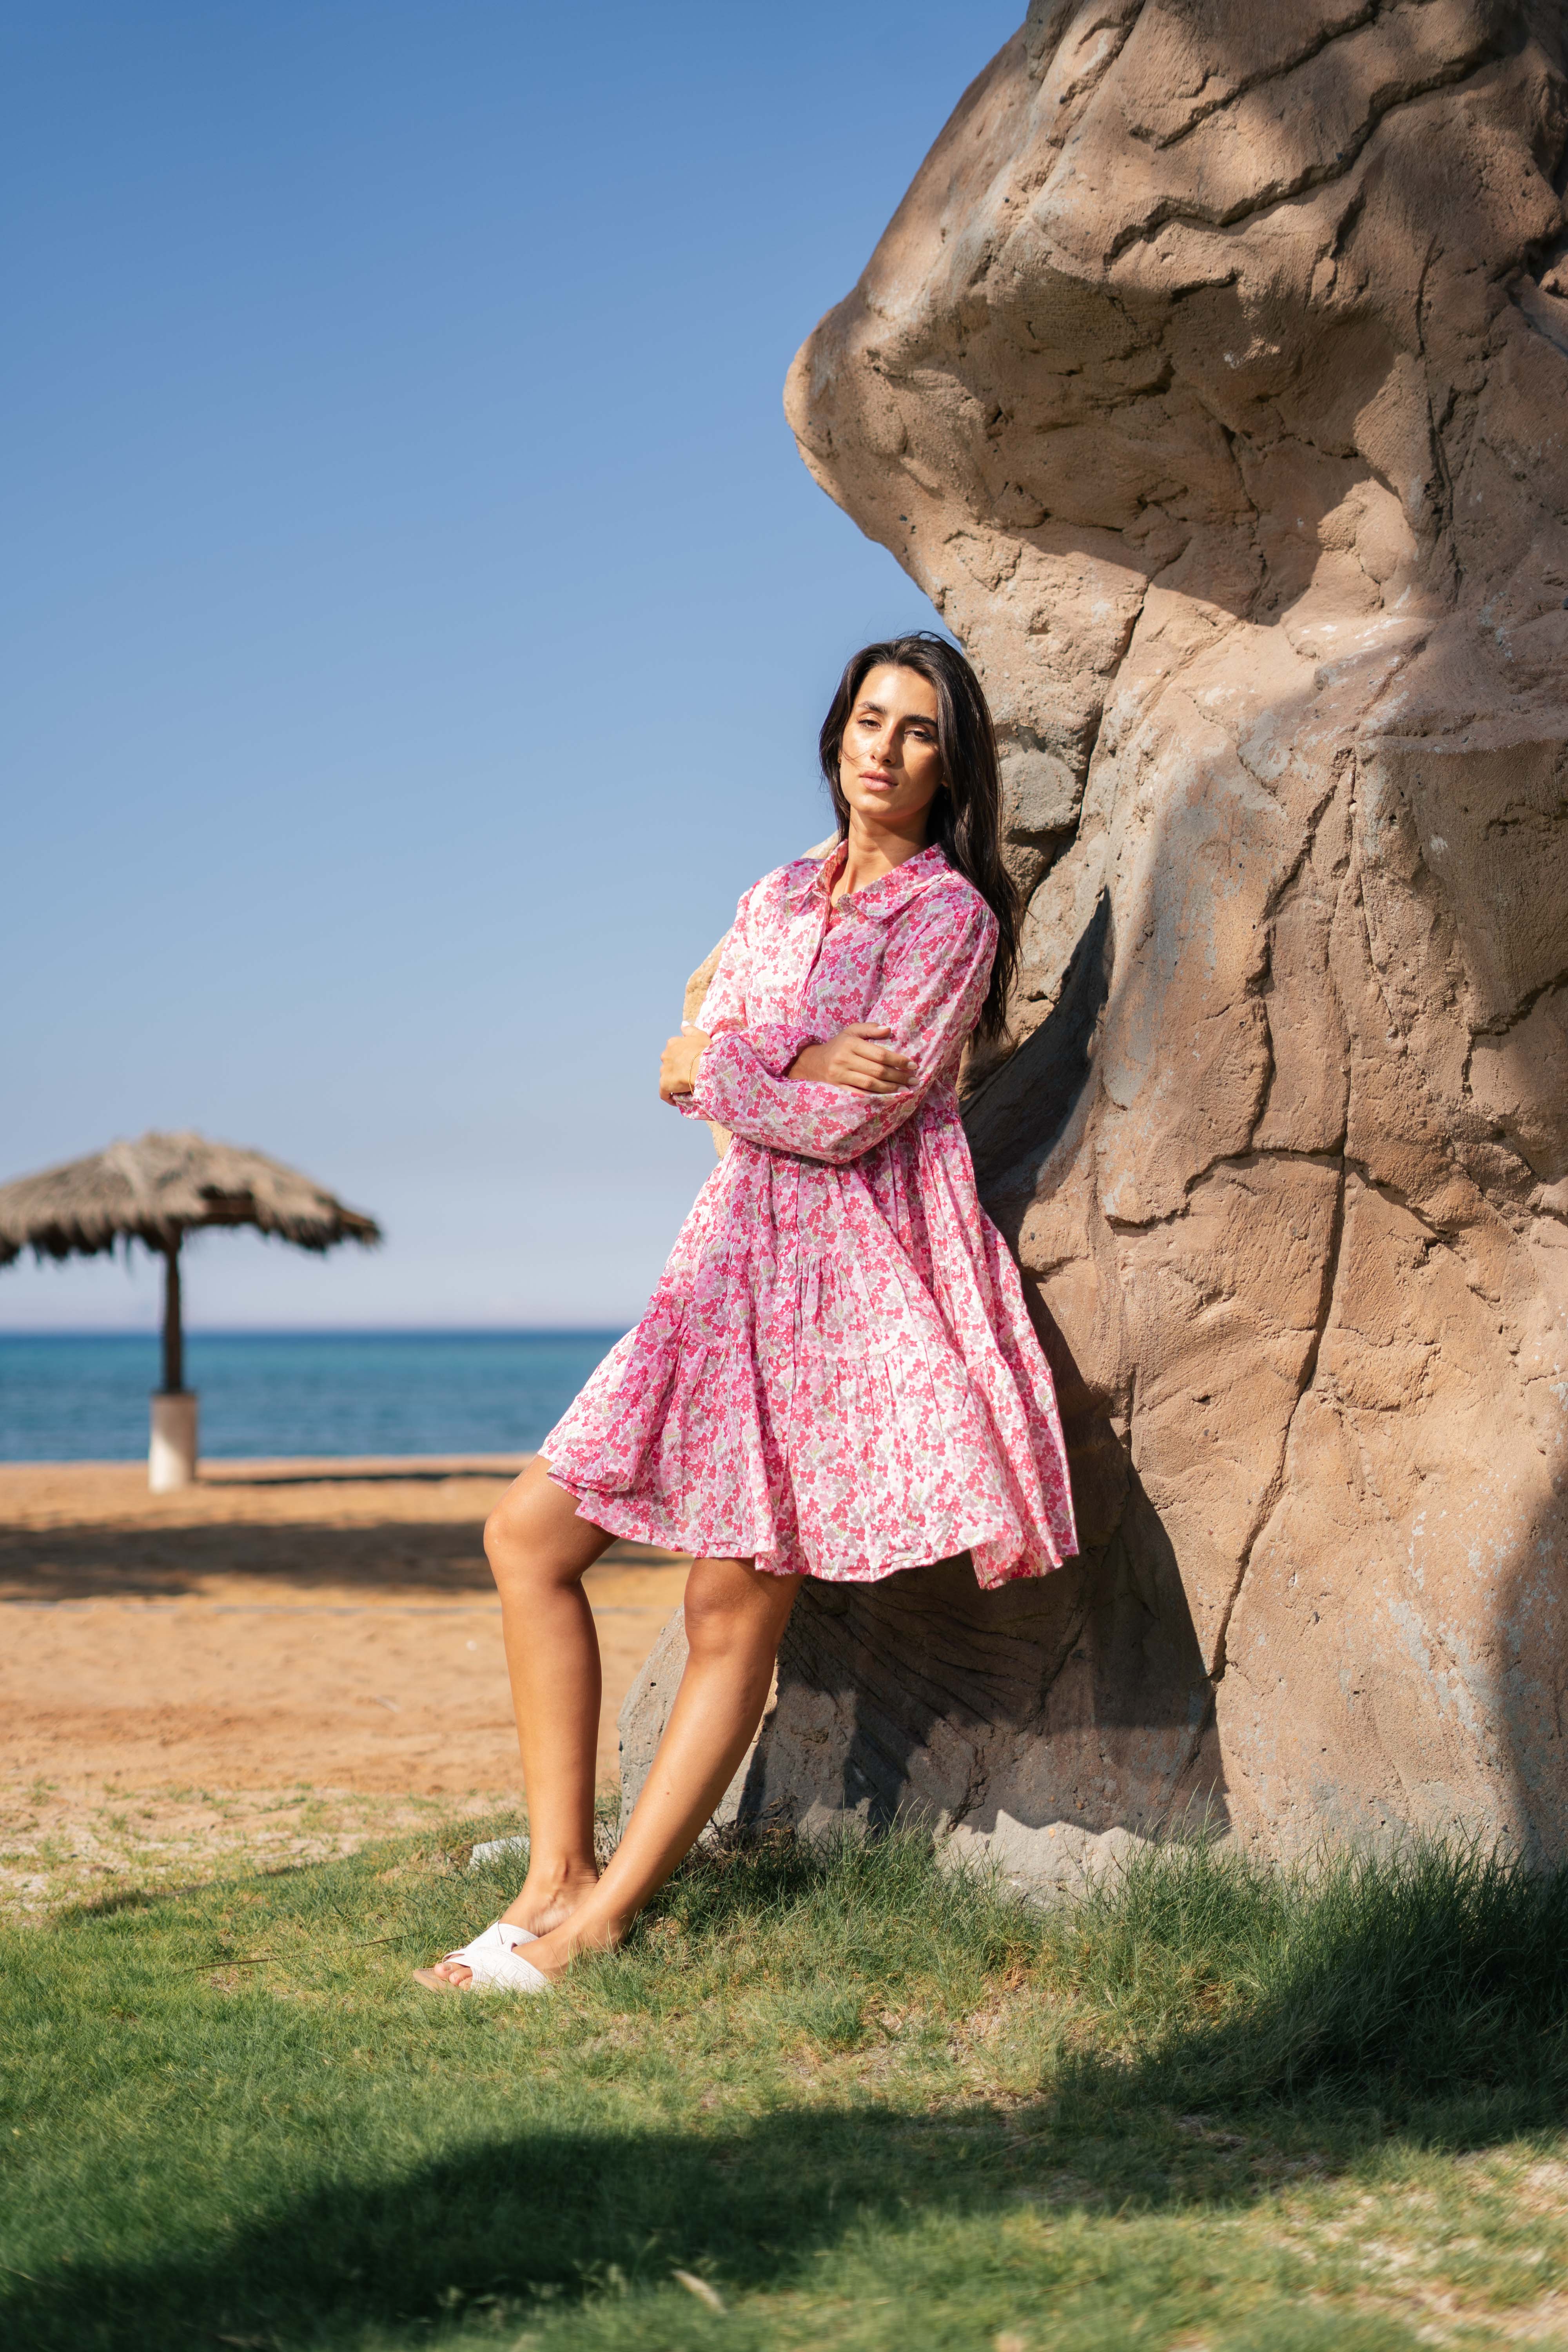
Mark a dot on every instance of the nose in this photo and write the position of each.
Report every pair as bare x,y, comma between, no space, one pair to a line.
887,753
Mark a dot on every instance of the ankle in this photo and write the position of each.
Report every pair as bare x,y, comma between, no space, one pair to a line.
548,1879
598,1925
544,1905
581,1931
601,1930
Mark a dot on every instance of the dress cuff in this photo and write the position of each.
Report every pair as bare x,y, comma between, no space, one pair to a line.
776,1044
739,1060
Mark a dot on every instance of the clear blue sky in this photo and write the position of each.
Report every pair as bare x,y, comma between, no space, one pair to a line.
418,618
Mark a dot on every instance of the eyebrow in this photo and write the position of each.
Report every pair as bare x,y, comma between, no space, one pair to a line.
916,718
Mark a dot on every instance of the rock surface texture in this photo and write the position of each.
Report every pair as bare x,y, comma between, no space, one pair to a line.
1212,380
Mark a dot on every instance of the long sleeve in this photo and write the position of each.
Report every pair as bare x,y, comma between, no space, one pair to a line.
774,1044
935,973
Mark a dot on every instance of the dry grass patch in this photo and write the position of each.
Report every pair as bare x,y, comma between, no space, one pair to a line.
78,1841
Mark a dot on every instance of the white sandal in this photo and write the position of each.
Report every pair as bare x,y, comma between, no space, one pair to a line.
496,1963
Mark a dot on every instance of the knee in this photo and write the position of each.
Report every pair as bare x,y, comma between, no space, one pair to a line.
517,1559
713,1623
724,1621
502,1549
498,1537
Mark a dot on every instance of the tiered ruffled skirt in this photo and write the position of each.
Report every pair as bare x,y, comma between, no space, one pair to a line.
836,1376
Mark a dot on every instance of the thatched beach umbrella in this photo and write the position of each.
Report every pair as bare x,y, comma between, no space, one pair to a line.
156,1192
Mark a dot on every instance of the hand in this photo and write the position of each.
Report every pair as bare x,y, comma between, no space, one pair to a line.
677,1067
853,1059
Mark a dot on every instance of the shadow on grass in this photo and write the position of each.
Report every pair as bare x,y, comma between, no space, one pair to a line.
1305,2018
124,1898
558,2215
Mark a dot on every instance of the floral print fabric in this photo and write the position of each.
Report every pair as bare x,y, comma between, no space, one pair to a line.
837,1375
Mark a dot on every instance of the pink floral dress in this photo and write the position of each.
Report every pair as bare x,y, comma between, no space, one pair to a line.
837,1375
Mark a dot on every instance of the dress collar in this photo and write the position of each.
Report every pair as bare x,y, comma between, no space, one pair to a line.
884,897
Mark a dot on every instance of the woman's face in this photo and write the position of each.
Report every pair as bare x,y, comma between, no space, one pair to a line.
888,765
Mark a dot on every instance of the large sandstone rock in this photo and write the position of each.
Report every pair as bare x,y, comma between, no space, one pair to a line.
1212,380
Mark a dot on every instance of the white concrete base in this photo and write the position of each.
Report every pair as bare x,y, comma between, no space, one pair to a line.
171,1454
497,1850
1054,1860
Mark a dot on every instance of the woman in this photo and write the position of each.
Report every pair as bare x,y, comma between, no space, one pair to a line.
836,1376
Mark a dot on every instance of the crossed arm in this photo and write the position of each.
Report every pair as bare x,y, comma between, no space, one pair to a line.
853,1059
832,1098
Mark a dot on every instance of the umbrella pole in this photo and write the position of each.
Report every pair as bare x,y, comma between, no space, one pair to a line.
172,1452
173,1331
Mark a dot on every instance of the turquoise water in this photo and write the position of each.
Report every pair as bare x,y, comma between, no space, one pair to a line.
80,1397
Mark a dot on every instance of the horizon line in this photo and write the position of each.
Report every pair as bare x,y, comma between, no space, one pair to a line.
324,1331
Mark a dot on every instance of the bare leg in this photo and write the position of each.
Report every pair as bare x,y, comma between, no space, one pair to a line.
538,1549
734,1618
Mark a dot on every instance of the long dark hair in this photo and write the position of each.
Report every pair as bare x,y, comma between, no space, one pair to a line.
965,819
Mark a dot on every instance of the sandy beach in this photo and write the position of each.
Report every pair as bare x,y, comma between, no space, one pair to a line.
277,1662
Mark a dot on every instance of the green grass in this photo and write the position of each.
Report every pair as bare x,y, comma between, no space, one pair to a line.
869,2105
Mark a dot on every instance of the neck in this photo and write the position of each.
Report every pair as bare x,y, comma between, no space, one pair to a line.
875,849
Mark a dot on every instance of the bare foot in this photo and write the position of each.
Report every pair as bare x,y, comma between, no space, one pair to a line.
593,1931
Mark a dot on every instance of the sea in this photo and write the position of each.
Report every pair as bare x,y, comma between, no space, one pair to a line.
83,1397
